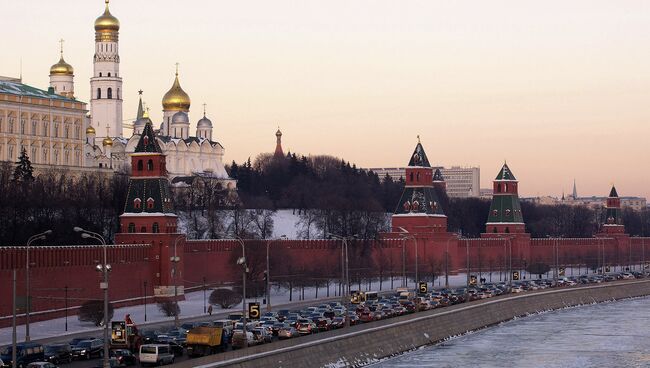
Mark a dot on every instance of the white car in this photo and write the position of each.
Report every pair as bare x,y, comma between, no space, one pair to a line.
156,354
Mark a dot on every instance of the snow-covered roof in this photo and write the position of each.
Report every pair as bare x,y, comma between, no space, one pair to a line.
20,89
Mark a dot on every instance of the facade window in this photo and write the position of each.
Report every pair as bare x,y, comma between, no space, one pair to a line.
150,203
118,91
131,227
140,165
11,152
33,156
0,124
155,228
150,165
22,126
44,155
56,130
100,74
99,93
45,129
11,125
34,123
507,230
136,203
143,229
56,157
66,157
109,93
67,131
109,74
77,132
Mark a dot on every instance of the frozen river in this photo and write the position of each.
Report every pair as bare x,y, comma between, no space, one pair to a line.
615,334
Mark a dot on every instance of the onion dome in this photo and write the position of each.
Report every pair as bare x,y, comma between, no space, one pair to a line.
180,118
204,123
90,130
278,133
176,99
107,142
61,68
107,22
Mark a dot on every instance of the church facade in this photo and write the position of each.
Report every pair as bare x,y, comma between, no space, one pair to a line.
58,130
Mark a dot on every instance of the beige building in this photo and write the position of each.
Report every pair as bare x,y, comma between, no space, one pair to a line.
462,182
48,125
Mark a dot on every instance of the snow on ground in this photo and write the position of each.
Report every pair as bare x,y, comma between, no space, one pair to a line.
284,223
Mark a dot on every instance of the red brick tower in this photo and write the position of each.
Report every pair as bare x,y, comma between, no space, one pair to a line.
613,223
505,212
149,215
419,209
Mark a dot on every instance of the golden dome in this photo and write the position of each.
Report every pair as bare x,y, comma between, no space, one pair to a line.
107,142
176,99
107,22
61,68
90,130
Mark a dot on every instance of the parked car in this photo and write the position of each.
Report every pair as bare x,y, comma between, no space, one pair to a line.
77,340
156,354
124,357
26,352
262,333
41,365
58,353
87,349
305,326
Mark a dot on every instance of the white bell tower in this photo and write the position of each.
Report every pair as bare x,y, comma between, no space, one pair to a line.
106,83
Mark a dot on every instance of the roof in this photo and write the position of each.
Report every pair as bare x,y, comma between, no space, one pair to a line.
437,176
148,142
419,157
198,140
20,89
505,173
613,193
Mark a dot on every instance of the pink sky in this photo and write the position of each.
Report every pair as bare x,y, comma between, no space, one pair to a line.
559,89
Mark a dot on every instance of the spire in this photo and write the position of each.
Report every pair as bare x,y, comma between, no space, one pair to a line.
575,191
505,173
613,193
279,153
437,176
148,142
419,157
140,108
204,105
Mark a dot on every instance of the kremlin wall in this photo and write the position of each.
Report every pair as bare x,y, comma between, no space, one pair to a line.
141,259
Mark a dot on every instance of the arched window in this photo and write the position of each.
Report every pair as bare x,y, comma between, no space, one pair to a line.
109,74
140,165
131,227
150,165
494,230
505,187
411,176
118,92
417,176
507,230
100,74
109,93
99,93
155,228
498,188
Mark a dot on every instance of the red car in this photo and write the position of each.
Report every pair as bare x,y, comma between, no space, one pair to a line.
367,316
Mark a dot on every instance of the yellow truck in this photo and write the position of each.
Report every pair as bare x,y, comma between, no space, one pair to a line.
203,341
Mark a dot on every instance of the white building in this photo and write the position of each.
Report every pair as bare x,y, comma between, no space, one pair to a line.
461,182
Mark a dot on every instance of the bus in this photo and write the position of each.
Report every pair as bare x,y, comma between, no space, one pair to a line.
363,296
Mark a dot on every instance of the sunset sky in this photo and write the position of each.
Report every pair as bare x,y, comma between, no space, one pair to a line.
559,89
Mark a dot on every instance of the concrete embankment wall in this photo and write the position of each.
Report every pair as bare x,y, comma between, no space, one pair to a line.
365,343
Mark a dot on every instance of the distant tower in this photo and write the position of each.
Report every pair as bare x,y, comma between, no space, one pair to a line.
439,181
175,100
575,191
62,77
613,222
279,153
419,208
106,83
505,215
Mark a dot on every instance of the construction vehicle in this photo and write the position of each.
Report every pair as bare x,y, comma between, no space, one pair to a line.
124,335
203,341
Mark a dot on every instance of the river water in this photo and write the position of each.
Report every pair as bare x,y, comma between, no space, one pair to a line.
614,334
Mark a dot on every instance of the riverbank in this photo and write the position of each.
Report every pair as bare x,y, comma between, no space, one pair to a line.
368,343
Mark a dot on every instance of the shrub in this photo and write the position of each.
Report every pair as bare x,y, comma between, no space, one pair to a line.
93,311
225,298
169,308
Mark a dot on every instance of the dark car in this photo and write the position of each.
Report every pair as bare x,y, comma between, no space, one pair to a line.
177,349
58,353
112,362
338,322
124,357
77,340
87,349
26,352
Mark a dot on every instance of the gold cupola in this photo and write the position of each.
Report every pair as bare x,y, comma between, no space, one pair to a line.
90,130
176,99
61,68
106,25
107,142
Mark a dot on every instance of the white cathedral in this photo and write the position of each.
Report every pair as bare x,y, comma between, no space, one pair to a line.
106,147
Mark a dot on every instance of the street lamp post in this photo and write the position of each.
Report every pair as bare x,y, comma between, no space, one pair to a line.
447,264
510,262
145,301
204,306
28,303
403,262
268,272
415,242
105,268
175,259
242,261
66,307
345,296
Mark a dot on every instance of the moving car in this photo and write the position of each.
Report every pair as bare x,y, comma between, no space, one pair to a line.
58,353
26,352
156,354
124,357
87,349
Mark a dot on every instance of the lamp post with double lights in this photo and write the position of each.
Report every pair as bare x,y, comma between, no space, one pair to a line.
345,295
242,262
447,262
104,268
415,242
268,270
33,238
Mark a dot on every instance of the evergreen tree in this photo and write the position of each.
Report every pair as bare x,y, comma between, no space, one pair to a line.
23,173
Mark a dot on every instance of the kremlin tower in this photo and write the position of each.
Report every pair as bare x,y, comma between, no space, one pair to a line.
613,224
505,215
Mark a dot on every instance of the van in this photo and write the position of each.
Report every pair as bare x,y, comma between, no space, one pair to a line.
156,354
26,353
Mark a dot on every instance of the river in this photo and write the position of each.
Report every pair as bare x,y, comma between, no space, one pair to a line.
614,334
